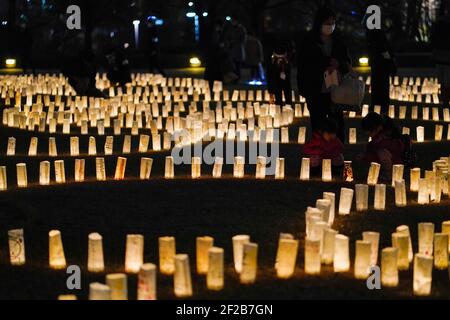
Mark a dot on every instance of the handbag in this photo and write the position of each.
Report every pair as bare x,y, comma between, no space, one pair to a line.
349,93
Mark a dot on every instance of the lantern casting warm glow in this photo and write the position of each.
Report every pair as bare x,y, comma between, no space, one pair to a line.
118,284
286,258
147,282
389,270
203,244
249,263
57,259
16,247
238,250
214,277
182,276
95,253
99,291
362,259
345,201
166,255
426,238
312,256
423,267
341,260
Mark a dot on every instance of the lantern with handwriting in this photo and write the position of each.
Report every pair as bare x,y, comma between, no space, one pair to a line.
352,136
182,276
389,270
166,255
362,259
238,167
249,263
60,172
52,151
147,282
79,170
16,247
95,253
423,267
100,170
118,284
99,291
214,277
203,244
57,259
345,201
238,247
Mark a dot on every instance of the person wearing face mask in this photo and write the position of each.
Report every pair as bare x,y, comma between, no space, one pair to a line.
322,50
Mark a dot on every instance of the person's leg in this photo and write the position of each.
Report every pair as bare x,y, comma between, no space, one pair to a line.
279,96
287,88
316,111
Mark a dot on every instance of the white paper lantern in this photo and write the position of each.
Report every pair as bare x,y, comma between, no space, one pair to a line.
118,284
182,276
420,134
362,197
441,251
100,170
374,239
147,282
16,243
400,241
400,193
120,168
345,201
145,168
169,172
99,291
329,236
414,179
203,244
312,256
79,170
332,198
238,167
167,255
426,238
423,267
22,180
446,229
215,274
389,270
304,172
397,173
341,260
57,259
374,172
326,170
362,259
44,173
3,178
286,258
279,168
60,172
238,250
95,253
249,263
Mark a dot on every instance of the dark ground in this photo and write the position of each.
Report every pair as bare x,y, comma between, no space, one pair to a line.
188,208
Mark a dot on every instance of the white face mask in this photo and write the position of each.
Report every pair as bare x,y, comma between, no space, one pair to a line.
328,29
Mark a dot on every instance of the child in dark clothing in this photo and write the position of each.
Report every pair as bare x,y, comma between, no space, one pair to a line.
279,75
325,145
387,144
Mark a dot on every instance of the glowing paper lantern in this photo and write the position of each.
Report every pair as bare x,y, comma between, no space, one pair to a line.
362,259
438,132
389,270
329,236
414,179
3,178
441,251
74,146
345,201
326,170
374,172
32,150
147,282
126,148
304,171
145,168
286,258
279,169
169,171
22,180
348,171
134,256
203,244
352,136
57,259
214,277
79,170
325,206
95,253
182,276
332,197
362,197
44,173
166,255
260,167
420,131
301,135
400,241
120,168
238,250
312,256
11,148
67,297
92,146
249,263
423,267
446,229
52,151
374,239
109,143
60,172
380,197
397,173
16,247
341,260
118,284
400,193
196,167
100,170
423,196
143,143
238,167
312,215
217,169
426,238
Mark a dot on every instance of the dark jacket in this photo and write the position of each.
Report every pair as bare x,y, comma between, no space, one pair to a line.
383,141
312,63
277,65
377,44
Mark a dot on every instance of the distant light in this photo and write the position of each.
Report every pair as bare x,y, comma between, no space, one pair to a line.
10,62
4,22
159,22
353,13
363,61
195,62
126,45
205,14
190,4
228,18
191,14
111,34
255,83
151,18
136,22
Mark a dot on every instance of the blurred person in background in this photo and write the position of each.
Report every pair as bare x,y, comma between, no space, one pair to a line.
235,37
440,41
254,56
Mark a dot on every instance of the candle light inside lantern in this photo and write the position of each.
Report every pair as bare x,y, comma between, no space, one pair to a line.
325,206
312,256
217,169
79,170
44,173
441,251
145,168
362,259
74,146
182,276
32,150
304,171
286,257
147,282
95,253
352,136
332,197
3,178
348,171
397,173
169,172
143,143
260,167
109,143
100,170
52,151
345,201
92,146
249,263
22,180
16,247
420,131
380,197
374,239
11,148
446,229
196,167
67,297
423,267
118,284
414,179
238,250
423,196
60,172
326,170
214,277
134,256
279,169
120,168
203,244
400,193
426,238
389,270
362,197
374,172
301,135
238,167
166,255
57,259
99,291
341,259
329,236
400,241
